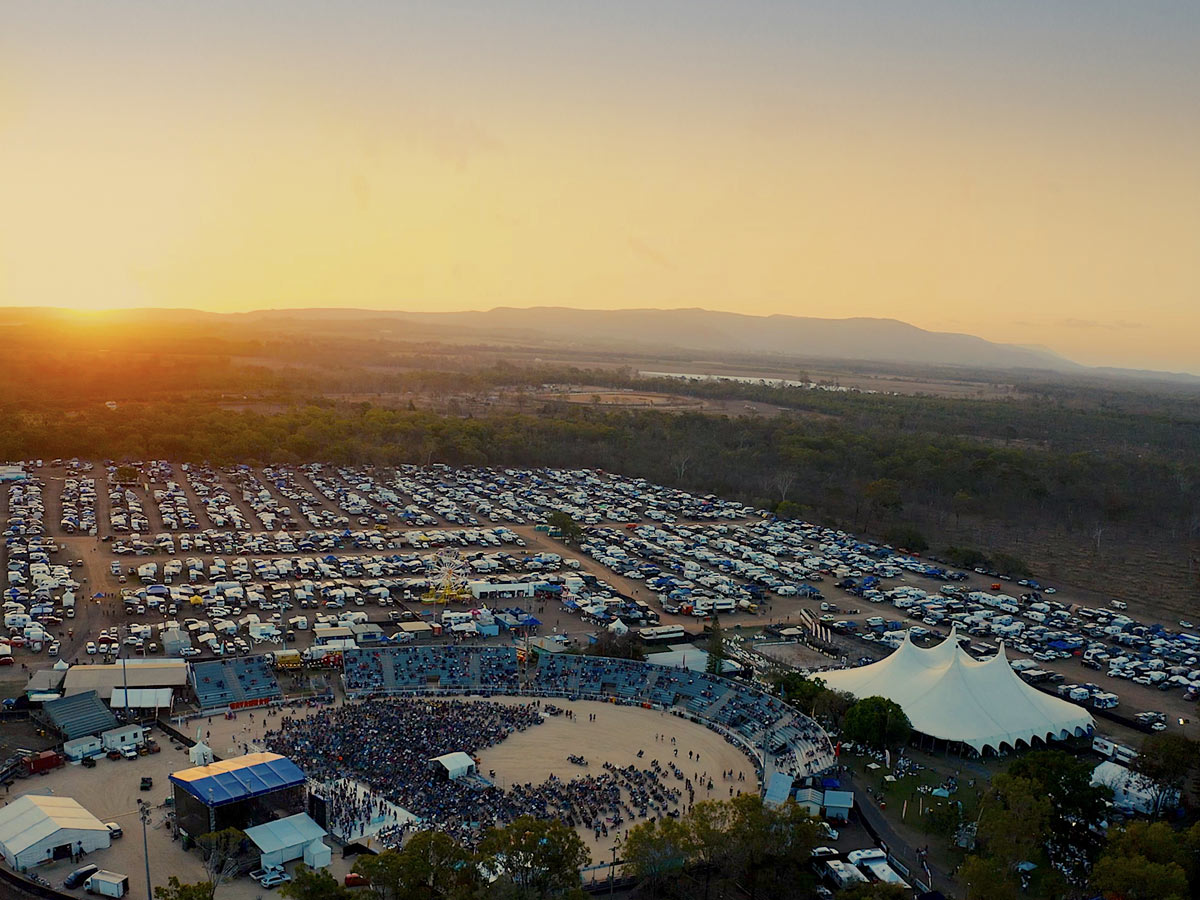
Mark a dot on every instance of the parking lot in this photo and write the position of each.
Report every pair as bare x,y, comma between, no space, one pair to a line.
106,559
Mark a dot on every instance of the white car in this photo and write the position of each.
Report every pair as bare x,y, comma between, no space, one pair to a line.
53,648
275,879
91,648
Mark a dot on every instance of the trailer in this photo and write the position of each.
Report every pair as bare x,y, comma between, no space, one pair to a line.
40,763
123,736
82,748
107,884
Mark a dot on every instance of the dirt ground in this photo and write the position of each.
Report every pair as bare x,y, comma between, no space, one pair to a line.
110,791
616,736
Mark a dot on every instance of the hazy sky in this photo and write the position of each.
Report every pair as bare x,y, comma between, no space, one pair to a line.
1026,170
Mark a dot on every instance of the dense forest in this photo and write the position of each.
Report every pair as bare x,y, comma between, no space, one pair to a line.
886,480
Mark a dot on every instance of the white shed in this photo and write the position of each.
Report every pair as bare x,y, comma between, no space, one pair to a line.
36,828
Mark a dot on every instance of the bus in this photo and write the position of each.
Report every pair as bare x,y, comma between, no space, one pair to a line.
661,634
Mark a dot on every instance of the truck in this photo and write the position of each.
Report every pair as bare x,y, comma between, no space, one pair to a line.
107,884
287,659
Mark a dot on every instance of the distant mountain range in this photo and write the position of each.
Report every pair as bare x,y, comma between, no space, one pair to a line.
700,329
639,330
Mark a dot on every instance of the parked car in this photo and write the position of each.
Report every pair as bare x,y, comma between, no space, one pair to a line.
275,879
114,830
79,876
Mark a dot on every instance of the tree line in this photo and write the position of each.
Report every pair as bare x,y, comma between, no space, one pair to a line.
918,486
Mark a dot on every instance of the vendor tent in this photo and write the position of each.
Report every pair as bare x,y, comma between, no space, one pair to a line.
295,837
142,698
948,695
34,829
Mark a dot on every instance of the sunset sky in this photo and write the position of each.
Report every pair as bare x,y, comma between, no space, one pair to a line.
1025,171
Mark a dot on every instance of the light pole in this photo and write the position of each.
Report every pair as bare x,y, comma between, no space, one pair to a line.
612,870
144,815
121,629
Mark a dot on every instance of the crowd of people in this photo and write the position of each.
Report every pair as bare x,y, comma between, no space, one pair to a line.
352,810
797,744
388,744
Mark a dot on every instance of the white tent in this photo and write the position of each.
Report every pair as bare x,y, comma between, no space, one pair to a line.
456,764
36,828
295,837
948,695
200,754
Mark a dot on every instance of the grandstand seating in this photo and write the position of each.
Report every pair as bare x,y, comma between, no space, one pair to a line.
220,682
79,715
757,718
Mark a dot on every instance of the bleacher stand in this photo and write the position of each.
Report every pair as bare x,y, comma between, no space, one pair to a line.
450,668
764,724
78,715
236,681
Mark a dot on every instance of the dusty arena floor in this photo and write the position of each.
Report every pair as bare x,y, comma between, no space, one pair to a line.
110,790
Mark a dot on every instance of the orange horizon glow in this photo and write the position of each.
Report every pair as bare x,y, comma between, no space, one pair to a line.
958,173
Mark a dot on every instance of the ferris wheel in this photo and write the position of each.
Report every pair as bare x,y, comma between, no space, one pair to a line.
448,576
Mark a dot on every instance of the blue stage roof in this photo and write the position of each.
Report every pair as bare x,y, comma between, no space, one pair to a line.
237,779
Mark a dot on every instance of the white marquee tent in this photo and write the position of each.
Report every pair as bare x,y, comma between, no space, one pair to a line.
456,765
948,695
296,837
35,828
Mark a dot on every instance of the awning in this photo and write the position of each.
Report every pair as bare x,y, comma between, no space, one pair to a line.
142,698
